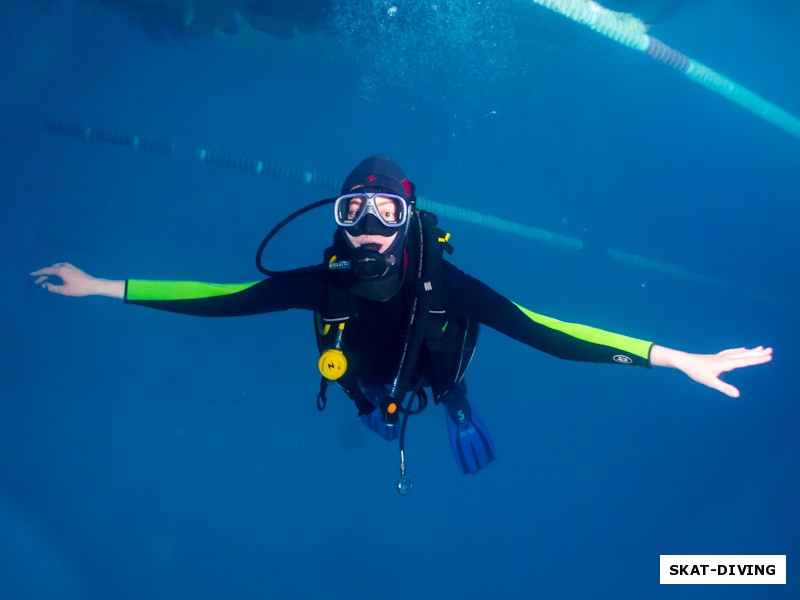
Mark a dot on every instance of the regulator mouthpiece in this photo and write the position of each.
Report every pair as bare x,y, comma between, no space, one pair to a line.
368,263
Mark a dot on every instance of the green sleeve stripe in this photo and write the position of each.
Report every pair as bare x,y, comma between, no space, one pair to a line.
140,289
593,335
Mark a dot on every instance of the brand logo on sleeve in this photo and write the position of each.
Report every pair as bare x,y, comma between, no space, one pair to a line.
622,359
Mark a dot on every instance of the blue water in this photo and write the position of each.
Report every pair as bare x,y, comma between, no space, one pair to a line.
151,455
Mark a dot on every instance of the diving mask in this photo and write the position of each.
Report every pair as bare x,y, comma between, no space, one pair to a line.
391,210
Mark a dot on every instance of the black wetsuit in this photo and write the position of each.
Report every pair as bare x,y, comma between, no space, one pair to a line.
375,329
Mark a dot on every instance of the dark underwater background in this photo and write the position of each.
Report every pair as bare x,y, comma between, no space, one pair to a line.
151,455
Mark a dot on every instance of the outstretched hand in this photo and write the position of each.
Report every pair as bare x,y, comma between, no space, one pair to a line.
75,282
707,368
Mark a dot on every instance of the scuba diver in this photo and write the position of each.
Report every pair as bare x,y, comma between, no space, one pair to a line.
394,318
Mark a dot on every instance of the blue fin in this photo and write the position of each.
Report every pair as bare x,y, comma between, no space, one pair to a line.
469,439
374,420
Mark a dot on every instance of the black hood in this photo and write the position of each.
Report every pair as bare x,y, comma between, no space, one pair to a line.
376,174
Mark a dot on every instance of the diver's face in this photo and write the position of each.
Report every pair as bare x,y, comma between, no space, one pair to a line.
370,238
376,227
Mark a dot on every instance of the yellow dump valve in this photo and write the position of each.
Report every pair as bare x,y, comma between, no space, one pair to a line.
332,364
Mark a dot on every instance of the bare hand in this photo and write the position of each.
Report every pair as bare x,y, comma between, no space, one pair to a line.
75,282
707,368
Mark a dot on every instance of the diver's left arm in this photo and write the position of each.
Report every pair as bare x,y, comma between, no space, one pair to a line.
466,297
707,368
470,298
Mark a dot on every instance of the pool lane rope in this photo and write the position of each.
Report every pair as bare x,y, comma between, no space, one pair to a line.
332,184
629,31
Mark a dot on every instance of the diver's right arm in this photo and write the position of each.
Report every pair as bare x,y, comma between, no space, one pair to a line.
192,297
77,283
